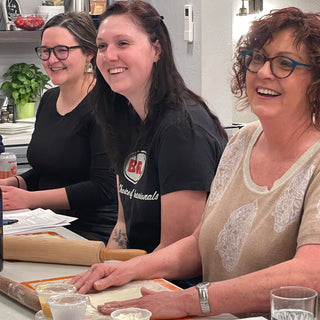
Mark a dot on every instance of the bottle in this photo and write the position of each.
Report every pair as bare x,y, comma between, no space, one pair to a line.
1,232
8,165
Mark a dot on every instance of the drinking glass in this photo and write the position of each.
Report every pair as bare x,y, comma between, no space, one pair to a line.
47,290
68,306
294,303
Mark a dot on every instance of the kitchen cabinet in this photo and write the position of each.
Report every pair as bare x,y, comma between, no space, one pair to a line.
20,36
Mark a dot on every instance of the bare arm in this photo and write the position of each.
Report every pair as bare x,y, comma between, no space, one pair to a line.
248,293
181,213
12,181
118,238
18,198
251,292
179,260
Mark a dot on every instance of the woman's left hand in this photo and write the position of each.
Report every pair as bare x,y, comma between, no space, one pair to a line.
163,305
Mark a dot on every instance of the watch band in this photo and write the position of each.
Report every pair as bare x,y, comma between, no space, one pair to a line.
204,297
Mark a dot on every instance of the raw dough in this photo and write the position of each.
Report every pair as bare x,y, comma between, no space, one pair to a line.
114,294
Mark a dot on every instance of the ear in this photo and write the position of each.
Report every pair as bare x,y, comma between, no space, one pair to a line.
157,50
89,58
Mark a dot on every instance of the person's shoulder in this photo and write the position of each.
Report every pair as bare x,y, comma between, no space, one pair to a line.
50,93
251,127
49,97
187,112
48,100
247,131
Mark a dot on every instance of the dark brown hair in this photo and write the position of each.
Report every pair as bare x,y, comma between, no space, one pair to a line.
167,90
306,28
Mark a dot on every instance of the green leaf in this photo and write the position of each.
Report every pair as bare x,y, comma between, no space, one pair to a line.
24,82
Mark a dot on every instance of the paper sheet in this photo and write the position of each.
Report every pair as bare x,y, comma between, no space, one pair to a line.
33,220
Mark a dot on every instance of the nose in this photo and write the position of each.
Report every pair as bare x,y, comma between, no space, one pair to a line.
52,57
265,70
111,53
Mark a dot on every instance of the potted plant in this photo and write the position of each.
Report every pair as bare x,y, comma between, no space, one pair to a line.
24,86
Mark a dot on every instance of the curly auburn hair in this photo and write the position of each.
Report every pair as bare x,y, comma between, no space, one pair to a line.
306,28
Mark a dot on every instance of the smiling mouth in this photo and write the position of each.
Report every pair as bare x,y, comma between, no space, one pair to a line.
268,92
117,70
57,69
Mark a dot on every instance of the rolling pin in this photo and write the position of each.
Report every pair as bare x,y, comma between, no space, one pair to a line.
64,251
20,293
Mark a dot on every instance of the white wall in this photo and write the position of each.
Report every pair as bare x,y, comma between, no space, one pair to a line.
216,55
203,64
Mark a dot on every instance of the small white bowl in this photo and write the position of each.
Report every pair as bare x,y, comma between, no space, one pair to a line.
131,314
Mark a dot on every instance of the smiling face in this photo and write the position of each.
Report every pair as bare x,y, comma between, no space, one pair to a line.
71,70
125,57
284,99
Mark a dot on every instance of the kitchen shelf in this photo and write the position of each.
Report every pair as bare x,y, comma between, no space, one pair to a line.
20,36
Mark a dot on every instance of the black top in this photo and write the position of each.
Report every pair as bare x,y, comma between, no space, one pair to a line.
179,157
68,151
1,145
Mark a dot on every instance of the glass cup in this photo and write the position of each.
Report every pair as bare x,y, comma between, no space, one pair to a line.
68,306
131,314
294,303
47,290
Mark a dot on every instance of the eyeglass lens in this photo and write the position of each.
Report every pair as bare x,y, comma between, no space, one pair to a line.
61,52
280,66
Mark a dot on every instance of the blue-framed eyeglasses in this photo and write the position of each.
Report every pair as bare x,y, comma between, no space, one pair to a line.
281,66
61,52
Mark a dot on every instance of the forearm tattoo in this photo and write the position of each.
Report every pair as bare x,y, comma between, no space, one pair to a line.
120,238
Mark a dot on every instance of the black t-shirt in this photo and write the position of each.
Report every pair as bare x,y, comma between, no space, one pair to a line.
1,145
178,157
68,151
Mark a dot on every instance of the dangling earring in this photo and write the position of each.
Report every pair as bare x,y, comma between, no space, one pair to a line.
89,68
315,114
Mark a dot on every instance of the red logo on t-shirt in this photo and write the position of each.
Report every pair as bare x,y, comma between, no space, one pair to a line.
134,166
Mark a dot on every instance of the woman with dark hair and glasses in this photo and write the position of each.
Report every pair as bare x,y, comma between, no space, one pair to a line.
71,172
164,142
261,225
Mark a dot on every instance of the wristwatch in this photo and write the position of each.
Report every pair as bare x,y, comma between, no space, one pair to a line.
204,297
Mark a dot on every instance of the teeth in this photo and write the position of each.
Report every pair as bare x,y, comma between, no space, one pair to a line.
57,69
268,92
117,70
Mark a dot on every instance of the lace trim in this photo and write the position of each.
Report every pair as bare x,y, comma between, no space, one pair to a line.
288,208
232,237
228,166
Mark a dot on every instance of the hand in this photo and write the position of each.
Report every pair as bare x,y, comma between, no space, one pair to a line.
163,305
6,181
14,198
102,275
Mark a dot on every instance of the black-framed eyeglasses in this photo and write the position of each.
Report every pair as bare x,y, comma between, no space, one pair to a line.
281,66
60,52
